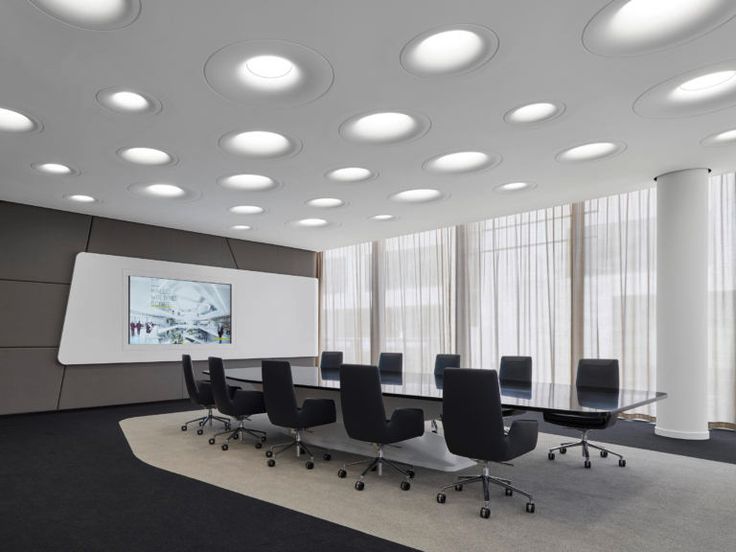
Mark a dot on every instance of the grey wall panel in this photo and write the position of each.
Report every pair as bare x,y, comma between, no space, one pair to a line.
30,380
31,314
39,244
128,239
273,258
98,385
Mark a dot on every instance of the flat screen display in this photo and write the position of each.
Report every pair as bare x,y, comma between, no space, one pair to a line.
162,311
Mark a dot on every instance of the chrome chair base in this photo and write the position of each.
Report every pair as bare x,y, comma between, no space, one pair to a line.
301,448
377,464
240,431
585,444
202,421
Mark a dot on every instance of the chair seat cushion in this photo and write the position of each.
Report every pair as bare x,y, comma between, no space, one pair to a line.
316,412
405,423
580,421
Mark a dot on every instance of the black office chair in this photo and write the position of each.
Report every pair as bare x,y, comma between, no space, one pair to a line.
283,410
595,377
364,416
471,414
330,360
515,371
391,363
200,393
241,405
441,362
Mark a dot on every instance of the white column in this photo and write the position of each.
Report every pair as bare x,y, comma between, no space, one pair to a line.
682,325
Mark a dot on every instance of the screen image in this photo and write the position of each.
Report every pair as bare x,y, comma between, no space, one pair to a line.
178,312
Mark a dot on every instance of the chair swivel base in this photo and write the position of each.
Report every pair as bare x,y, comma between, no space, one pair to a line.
486,479
239,431
202,421
377,464
301,448
585,444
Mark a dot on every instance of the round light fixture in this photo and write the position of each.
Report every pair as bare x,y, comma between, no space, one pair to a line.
97,15
513,187
162,190
80,198
246,210
248,182
449,50
350,174
123,100
14,121
461,162
55,169
590,152
382,217
146,156
165,190
724,138
708,81
269,67
241,227
262,144
311,222
385,127
537,112
326,202
418,195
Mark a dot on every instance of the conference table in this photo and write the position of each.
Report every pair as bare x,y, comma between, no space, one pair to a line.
424,390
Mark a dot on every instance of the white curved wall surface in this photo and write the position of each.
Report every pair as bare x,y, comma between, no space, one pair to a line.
273,315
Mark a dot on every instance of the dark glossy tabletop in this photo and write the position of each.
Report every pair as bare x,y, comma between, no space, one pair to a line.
540,396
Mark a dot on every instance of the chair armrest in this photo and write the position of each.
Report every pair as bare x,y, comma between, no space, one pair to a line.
523,434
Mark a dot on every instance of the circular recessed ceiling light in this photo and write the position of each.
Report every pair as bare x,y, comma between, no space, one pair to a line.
165,190
326,202
590,152
162,190
382,217
724,138
386,127
708,81
311,222
461,162
146,156
351,174
122,100
246,210
458,49
13,121
633,27
269,67
55,168
419,195
514,187
97,15
241,227
262,144
534,113
248,182
80,198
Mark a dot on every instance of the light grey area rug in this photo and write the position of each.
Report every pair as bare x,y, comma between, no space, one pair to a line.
657,502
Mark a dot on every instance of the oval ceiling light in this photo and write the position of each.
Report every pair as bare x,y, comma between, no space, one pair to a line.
382,217
710,82
55,169
241,227
351,174
727,137
162,190
165,190
634,27
326,202
590,152
532,113
248,182
418,195
449,50
14,121
461,162
311,223
124,100
80,198
97,15
384,127
274,72
247,210
262,144
514,187
146,156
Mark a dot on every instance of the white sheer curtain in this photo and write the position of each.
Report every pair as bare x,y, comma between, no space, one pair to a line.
345,298
619,282
416,296
722,300
516,291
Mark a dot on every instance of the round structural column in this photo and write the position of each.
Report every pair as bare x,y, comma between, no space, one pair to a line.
682,288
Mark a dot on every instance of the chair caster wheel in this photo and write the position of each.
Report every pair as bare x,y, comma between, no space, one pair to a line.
587,464
309,465
271,463
458,487
411,474
326,457
200,431
441,498
604,454
269,454
621,463
235,437
485,513
530,507
211,441
225,446
509,492
551,456
259,445
563,450
263,438
405,485
183,428
341,473
359,485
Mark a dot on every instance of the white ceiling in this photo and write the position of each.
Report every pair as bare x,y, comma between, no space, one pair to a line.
53,71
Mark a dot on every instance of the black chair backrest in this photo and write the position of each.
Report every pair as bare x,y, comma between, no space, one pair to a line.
391,363
192,389
445,361
330,360
219,387
471,414
363,413
515,370
598,373
278,393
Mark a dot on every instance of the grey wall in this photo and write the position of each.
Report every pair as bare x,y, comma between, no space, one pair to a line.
37,250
